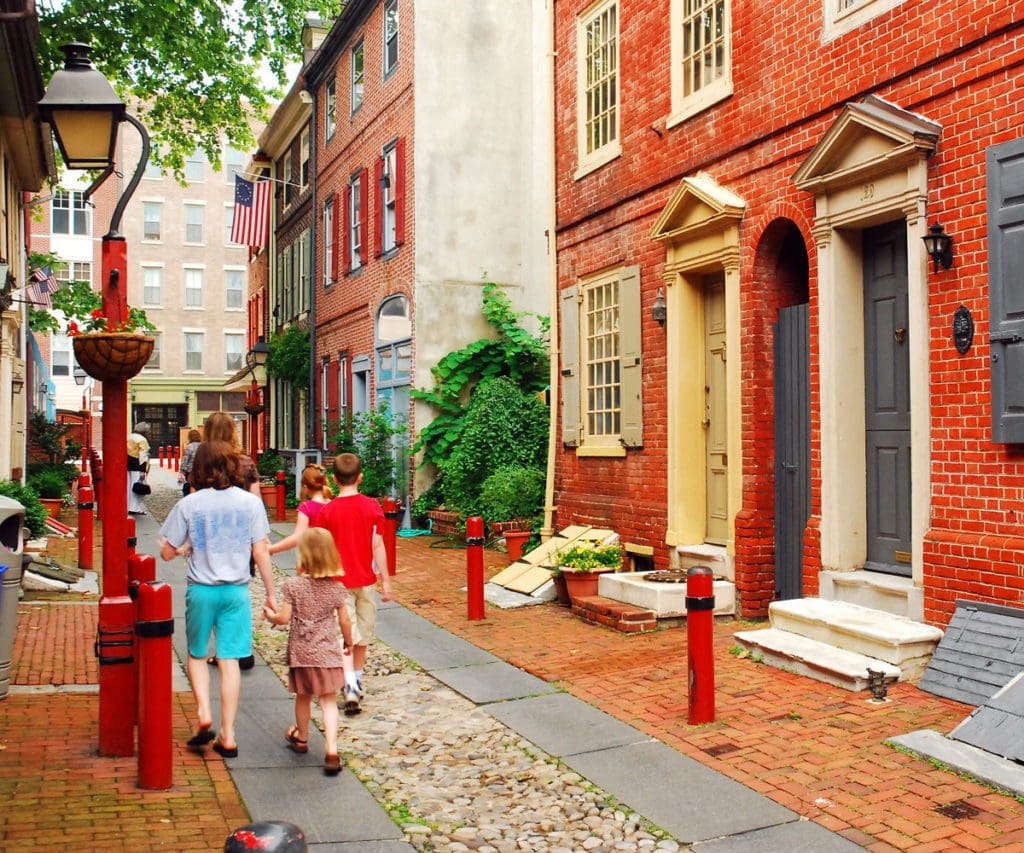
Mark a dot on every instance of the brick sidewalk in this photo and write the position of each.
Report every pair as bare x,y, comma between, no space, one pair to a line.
815,749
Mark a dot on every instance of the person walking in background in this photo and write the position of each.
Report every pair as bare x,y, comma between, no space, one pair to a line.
315,492
356,522
314,607
218,526
138,465
220,426
194,437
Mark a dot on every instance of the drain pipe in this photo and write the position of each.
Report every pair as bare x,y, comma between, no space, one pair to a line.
547,530
312,439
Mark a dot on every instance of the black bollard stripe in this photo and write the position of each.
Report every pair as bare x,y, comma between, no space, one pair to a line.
474,540
702,603
86,505
155,628
390,514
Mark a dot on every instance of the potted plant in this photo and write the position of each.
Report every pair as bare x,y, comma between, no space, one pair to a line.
269,463
510,500
51,487
35,512
581,566
561,587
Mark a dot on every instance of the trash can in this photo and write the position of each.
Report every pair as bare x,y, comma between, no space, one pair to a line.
12,543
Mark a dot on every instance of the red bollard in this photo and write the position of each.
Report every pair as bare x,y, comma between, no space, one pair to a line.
154,628
160,455
475,567
280,496
176,451
85,520
700,635
129,524
390,533
141,569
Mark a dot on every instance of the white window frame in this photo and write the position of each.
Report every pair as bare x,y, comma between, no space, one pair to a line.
355,222
329,248
229,272
684,104
357,90
154,359
191,206
189,275
330,109
73,202
589,160
197,334
197,161
62,358
589,288
286,177
388,211
234,336
229,219
842,16
149,204
147,270
234,164
72,271
304,159
389,67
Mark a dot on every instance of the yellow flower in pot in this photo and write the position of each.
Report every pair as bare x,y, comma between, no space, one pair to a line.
581,564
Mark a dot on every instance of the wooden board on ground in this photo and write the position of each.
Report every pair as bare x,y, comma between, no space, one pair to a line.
534,569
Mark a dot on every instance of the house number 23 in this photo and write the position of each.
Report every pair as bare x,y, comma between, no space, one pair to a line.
867,191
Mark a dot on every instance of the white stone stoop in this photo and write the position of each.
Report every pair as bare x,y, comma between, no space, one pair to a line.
837,642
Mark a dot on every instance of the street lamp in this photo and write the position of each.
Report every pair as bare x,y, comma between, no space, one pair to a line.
85,113
254,407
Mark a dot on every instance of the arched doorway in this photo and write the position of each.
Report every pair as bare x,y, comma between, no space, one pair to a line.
393,347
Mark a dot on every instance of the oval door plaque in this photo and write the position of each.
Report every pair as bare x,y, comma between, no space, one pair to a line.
963,329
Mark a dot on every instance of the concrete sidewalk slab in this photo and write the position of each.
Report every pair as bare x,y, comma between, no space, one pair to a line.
492,682
422,641
797,836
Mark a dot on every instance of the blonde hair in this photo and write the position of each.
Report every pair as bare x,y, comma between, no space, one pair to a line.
314,479
318,558
220,426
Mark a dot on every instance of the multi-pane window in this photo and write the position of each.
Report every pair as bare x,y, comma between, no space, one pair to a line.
69,213
304,158
193,350
74,271
233,346
195,166
193,223
599,84
302,271
193,288
154,359
229,221
328,242
601,363
330,110
286,176
388,196
234,164
152,283
358,83
234,287
390,36
842,16
355,222
152,219
60,355
701,55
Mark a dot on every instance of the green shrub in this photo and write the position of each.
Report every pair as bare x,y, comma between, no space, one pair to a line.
372,437
428,500
68,472
49,438
269,463
512,492
49,483
289,357
587,558
35,512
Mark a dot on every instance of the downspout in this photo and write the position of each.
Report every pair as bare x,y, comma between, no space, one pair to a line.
547,530
313,440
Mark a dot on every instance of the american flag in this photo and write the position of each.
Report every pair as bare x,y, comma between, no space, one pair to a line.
45,284
252,213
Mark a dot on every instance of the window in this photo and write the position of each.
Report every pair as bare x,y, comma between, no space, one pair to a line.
74,271
234,164
193,223
358,88
390,36
195,166
229,221
152,215
193,288
330,111
69,213
234,344
193,350
329,269
154,359
304,159
388,197
302,272
61,359
286,176
602,404
152,169
355,222
701,55
152,282
234,287
598,83
841,16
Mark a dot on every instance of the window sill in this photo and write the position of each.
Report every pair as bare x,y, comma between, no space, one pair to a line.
598,450
593,162
698,103
389,254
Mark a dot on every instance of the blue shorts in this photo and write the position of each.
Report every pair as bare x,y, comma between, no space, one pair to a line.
225,609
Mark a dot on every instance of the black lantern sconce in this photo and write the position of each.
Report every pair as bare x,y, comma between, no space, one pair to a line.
659,312
188,395
939,246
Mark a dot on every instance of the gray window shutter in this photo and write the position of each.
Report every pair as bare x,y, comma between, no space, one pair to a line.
571,366
631,377
1005,166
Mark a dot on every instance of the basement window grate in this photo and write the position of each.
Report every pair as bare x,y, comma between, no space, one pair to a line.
958,810
721,749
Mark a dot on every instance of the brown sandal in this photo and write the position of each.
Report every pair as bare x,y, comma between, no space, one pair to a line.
332,765
295,744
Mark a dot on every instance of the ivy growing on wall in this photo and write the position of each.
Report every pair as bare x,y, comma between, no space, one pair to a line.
289,357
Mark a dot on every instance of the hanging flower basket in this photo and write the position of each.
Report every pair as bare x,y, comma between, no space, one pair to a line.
254,409
113,355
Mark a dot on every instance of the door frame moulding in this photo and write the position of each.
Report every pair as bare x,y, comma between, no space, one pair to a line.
699,227
870,167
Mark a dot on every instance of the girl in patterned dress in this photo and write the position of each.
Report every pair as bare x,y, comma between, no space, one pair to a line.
313,604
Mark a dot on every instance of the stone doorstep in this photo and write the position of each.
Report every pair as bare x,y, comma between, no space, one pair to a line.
614,614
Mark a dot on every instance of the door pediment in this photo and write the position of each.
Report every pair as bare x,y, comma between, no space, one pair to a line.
698,205
868,138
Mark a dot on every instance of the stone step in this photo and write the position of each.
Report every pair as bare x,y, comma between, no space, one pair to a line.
715,557
891,593
665,599
876,634
615,614
820,661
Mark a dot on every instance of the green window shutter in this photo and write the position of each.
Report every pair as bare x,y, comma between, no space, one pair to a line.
1006,289
631,377
571,366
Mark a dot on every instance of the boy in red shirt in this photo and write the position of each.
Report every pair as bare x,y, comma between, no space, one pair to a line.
356,522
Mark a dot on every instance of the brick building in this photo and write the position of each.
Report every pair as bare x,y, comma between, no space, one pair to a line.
759,364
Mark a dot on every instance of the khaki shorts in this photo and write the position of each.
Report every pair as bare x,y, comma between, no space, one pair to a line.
361,604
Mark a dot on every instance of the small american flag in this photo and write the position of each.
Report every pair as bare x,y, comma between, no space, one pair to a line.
45,284
251,213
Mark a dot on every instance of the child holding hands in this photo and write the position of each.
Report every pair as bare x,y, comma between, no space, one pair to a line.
315,658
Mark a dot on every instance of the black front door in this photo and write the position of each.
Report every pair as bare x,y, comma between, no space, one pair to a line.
165,422
887,398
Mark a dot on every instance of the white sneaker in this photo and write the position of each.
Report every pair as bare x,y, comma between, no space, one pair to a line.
359,690
351,706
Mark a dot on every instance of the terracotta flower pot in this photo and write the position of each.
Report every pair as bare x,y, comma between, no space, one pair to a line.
561,590
268,491
580,584
514,541
53,505
113,355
